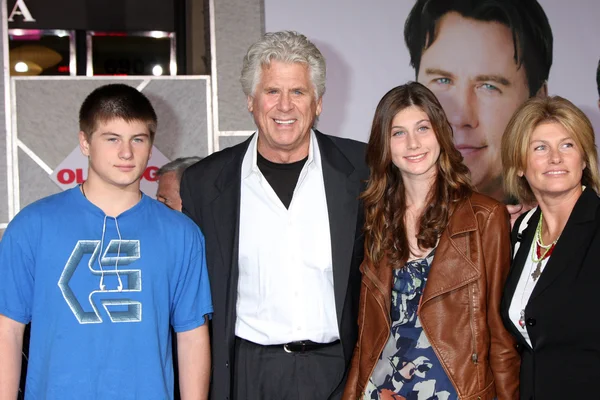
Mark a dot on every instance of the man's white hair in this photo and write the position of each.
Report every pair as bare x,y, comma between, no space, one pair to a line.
288,47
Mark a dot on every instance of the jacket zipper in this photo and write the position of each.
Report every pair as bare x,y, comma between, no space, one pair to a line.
474,356
435,350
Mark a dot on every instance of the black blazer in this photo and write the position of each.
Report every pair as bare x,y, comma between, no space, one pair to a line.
562,315
210,191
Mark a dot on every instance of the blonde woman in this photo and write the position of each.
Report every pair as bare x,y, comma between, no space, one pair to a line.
551,295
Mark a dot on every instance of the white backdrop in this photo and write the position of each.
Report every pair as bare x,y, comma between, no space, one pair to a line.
363,42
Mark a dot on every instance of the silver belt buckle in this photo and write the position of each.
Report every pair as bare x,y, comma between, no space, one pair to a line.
286,349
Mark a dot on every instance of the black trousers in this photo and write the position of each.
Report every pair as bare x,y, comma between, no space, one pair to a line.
269,372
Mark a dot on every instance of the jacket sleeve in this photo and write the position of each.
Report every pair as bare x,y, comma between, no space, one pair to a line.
352,389
187,202
504,358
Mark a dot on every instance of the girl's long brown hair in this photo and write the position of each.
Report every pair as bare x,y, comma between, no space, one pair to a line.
385,200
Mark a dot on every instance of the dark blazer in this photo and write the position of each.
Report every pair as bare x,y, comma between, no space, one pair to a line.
562,314
210,191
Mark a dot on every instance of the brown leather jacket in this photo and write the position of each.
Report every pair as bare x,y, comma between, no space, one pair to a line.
460,307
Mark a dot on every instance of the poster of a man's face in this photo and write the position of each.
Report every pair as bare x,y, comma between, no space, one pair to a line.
490,55
482,60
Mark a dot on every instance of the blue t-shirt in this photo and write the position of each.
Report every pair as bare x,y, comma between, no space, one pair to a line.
62,263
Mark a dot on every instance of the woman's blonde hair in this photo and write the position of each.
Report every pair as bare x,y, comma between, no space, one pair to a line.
516,138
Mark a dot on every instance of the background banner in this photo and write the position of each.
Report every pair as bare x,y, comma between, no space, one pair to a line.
470,63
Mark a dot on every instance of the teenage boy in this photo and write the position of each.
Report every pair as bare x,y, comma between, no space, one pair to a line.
101,271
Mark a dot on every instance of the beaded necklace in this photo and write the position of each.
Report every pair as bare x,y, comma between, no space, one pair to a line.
538,256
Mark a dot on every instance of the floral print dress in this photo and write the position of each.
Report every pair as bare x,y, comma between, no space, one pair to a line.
408,367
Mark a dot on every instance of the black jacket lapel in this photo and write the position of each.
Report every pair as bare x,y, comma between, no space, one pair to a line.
516,269
521,256
227,203
342,188
574,241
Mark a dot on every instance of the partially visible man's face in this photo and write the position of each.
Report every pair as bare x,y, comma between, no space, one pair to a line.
284,109
471,69
168,190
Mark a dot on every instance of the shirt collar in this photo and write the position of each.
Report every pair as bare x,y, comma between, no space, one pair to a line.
249,163
250,166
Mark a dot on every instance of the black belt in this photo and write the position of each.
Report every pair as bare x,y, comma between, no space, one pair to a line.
302,346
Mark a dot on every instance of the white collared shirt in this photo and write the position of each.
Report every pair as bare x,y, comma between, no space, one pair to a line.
285,287
523,292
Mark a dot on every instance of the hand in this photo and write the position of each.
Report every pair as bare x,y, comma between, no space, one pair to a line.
516,210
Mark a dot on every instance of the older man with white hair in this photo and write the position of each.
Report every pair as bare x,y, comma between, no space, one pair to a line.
282,220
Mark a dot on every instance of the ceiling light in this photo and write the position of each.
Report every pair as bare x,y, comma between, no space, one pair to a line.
21,67
157,70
